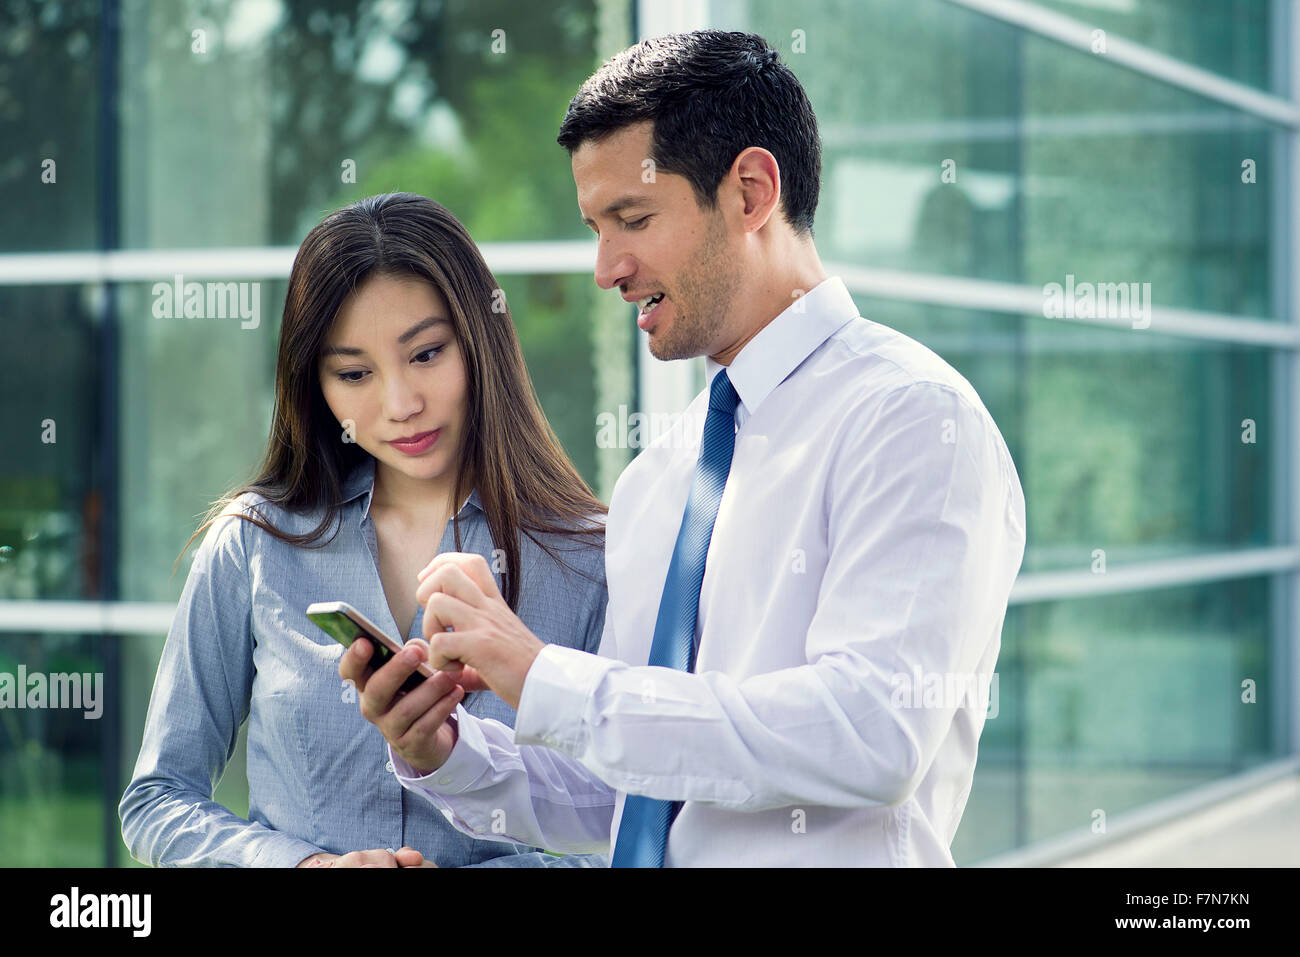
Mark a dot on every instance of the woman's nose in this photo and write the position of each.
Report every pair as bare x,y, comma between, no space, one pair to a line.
401,399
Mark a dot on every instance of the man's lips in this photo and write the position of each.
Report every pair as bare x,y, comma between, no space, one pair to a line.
645,320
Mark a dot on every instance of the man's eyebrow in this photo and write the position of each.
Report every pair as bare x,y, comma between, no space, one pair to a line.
403,339
618,206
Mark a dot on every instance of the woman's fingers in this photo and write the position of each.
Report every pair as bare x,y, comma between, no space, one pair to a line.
354,666
379,695
413,705
408,857
378,857
425,728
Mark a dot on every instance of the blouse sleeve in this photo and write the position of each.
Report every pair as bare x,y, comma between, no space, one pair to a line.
200,698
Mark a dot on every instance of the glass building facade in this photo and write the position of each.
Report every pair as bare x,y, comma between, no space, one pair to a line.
972,158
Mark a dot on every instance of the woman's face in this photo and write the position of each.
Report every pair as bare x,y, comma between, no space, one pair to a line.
392,370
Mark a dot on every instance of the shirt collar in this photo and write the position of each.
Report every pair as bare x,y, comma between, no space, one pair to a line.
785,342
361,481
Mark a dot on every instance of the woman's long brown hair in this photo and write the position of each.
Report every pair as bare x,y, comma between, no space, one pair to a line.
510,453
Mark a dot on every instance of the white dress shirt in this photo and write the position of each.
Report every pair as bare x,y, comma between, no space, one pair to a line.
865,546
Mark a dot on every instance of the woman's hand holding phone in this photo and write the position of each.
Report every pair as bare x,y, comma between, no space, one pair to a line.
414,723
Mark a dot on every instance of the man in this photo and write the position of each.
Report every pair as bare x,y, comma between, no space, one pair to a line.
847,523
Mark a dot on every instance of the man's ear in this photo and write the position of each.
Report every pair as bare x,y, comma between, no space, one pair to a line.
757,176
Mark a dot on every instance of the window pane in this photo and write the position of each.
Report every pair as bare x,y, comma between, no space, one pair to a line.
293,109
52,807
51,511
1227,37
963,146
1141,445
1111,702
50,164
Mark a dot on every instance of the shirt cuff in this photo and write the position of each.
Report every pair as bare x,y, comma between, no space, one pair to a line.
556,692
466,764
282,850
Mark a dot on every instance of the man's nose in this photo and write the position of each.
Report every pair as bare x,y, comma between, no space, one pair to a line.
613,265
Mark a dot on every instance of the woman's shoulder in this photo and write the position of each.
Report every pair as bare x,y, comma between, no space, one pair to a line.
289,521
569,548
243,529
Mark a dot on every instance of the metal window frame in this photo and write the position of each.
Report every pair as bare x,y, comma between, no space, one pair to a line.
1077,35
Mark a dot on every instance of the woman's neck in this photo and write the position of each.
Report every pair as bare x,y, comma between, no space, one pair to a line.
414,497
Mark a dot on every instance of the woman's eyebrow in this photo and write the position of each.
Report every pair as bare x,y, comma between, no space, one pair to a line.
419,327
403,339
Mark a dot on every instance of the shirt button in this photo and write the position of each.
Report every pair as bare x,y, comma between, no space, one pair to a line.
388,766
444,780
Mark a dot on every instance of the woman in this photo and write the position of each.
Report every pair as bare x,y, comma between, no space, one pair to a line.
405,425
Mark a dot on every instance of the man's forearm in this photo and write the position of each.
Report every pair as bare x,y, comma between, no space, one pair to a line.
496,790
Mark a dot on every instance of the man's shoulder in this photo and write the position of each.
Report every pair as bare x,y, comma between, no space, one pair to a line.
867,364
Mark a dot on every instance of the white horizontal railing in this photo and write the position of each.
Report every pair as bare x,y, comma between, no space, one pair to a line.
578,256
88,617
1163,573
989,296
153,618
255,262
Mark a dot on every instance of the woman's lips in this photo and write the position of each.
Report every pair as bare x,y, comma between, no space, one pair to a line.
421,443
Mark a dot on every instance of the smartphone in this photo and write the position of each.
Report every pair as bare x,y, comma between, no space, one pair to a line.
345,624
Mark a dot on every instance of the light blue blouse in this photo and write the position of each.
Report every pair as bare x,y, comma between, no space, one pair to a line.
319,779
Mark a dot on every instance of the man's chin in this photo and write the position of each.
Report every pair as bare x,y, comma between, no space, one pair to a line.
667,350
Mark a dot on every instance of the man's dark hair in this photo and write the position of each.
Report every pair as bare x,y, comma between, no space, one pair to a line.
710,94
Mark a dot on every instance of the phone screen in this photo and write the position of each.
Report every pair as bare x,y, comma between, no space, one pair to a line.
345,631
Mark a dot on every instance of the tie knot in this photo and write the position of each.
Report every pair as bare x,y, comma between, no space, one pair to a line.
722,394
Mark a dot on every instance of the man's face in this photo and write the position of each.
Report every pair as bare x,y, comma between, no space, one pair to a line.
391,365
654,239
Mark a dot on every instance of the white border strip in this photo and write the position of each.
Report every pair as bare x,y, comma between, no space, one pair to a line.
983,294
154,618
257,262
1078,35
1144,576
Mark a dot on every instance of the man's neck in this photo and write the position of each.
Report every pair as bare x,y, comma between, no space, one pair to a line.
772,294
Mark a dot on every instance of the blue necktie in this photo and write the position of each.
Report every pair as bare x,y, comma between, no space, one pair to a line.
643,830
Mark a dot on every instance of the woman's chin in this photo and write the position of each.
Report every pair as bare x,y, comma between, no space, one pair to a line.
416,467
